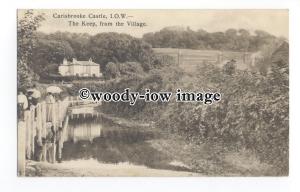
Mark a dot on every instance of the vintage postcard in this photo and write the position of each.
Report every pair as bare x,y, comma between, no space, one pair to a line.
152,92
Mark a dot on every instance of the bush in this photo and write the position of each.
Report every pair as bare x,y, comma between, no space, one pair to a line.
253,113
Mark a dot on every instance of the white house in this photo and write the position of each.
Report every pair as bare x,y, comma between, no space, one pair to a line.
79,68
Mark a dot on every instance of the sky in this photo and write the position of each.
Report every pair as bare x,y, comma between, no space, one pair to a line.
274,21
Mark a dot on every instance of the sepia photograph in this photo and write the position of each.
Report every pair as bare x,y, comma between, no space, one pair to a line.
152,93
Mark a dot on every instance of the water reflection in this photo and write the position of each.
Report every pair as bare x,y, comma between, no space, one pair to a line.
93,137
84,127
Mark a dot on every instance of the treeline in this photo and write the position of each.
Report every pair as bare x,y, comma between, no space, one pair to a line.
103,48
231,39
114,49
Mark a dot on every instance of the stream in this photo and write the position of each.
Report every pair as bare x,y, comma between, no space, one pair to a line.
93,137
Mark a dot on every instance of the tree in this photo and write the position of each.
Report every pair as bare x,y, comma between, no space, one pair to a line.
48,54
103,48
229,40
130,68
230,67
119,48
264,56
26,33
243,40
279,73
111,71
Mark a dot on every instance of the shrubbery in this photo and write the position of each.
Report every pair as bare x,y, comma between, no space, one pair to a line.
253,113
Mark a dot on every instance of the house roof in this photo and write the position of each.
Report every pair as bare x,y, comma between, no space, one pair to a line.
86,63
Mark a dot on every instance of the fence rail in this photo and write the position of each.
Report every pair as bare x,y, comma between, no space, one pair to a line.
35,124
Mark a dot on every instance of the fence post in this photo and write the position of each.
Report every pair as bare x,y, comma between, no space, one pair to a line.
39,124
43,119
21,148
33,131
35,124
28,133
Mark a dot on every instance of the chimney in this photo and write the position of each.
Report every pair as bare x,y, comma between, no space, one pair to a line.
65,61
74,60
90,60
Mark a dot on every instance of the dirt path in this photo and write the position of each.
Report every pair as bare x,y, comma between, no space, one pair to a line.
93,168
209,159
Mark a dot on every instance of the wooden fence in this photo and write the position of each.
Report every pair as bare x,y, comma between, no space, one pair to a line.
36,123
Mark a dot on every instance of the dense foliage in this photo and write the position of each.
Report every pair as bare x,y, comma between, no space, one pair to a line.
231,39
26,42
103,48
252,115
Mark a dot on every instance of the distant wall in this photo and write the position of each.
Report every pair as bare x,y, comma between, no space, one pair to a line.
189,59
